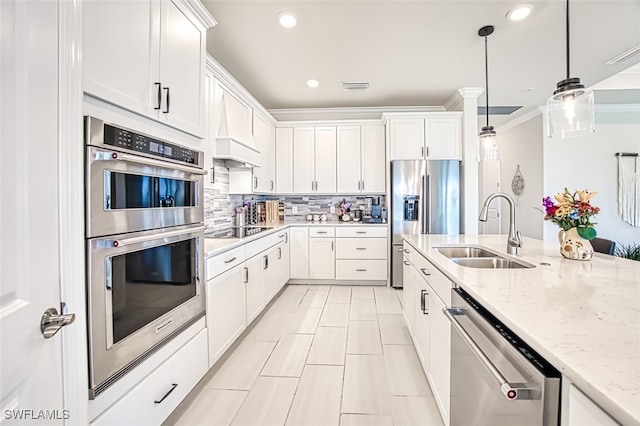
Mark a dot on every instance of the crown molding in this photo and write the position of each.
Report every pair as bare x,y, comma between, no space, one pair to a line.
201,13
453,103
346,113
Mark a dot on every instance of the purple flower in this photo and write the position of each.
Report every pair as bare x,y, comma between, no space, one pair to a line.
547,202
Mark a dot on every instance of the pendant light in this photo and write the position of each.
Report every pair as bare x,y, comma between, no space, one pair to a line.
570,110
488,137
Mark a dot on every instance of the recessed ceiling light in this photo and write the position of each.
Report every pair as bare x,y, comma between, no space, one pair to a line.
520,12
313,83
287,20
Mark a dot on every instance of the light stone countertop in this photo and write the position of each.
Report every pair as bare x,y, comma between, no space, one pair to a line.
583,317
214,246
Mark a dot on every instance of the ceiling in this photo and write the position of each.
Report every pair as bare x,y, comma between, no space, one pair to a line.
417,52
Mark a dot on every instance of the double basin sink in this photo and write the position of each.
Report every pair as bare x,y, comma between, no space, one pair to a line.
479,257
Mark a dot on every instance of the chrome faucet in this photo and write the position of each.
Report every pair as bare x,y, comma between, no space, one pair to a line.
515,239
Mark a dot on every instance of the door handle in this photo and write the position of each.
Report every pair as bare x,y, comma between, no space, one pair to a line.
166,111
159,95
52,322
423,302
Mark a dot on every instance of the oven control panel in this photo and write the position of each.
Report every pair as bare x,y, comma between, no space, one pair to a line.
141,143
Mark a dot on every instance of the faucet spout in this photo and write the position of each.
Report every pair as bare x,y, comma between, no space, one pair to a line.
514,239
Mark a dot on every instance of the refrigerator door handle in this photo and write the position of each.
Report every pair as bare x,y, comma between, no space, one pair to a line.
426,201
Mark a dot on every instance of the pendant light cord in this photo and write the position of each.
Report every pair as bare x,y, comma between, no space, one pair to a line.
567,26
486,77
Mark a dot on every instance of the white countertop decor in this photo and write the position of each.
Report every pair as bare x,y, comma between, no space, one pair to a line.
582,316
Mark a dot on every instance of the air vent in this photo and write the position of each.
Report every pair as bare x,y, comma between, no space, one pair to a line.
625,56
498,110
351,85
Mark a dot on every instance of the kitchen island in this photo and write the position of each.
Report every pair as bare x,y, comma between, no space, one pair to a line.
581,316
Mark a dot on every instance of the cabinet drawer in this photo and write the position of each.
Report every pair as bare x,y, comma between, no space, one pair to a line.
361,248
155,397
361,231
436,279
361,269
321,231
216,265
262,244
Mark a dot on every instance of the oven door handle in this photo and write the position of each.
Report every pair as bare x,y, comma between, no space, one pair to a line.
135,240
511,391
104,155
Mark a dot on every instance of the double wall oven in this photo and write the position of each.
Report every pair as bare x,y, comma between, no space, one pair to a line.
144,231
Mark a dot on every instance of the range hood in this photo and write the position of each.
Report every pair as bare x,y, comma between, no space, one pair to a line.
234,141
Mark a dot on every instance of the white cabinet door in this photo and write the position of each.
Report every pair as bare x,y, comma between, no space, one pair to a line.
322,262
209,137
325,160
443,136
408,296
264,136
303,160
182,64
299,252
407,138
583,411
255,286
226,310
439,352
374,165
122,67
349,176
283,261
422,318
270,273
284,160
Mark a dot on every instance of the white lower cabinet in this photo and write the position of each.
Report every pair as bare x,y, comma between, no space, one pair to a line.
583,411
361,253
157,395
255,285
426,293
322,263
299,252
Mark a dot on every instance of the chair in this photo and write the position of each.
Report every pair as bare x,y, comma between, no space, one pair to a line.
602,245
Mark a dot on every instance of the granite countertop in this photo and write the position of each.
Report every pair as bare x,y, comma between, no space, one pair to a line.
581,316
214,246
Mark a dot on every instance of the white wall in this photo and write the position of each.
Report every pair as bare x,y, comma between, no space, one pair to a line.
589,162
522,145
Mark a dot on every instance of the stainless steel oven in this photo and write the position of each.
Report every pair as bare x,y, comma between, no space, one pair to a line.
145,235
496,378
135,182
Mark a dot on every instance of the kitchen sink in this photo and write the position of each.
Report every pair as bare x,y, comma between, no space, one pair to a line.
491,263
464,251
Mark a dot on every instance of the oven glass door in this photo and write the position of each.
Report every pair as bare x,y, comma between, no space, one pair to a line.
138,191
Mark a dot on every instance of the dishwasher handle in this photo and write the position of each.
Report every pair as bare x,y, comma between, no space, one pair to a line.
511,391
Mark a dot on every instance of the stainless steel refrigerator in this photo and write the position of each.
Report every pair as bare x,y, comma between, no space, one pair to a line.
425,198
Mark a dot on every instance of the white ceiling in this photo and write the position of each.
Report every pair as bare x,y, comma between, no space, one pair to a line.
416,52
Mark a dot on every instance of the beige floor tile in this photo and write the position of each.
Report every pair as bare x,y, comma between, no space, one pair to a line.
317,400
365,387
305,321
405,376
213,407
271,327
362,309
415,410
268,402
335,315
287,303
315,298
329,346
339,294
361,292
295,289
365,420
364,338
243,366
289,356
387,301
393,330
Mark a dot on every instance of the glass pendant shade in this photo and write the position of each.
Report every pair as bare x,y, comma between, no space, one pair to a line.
570,110
488,144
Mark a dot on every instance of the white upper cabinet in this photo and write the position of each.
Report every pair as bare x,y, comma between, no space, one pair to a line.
284,160
148,56
433,136
264,136
314,160
361,159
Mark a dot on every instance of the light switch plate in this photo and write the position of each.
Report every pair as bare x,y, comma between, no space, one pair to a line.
332,209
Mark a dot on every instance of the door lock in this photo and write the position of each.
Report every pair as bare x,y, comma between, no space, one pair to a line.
52,322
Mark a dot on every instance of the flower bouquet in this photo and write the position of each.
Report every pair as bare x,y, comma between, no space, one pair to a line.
572,210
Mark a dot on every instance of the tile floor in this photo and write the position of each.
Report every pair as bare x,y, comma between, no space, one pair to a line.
320,355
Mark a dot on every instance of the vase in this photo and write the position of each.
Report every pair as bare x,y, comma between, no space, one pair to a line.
573,246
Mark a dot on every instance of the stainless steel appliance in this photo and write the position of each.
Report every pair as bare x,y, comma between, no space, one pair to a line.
425,198
496,378
144,230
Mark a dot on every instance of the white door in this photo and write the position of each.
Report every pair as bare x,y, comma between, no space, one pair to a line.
284,160
303,160
443,137
374,166
30,365
322,264
325,154
407,138
349,175
299,252
264,137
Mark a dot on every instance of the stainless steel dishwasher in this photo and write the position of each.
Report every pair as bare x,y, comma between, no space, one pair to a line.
496,378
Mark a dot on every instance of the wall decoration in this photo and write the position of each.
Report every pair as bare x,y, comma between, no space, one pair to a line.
517,183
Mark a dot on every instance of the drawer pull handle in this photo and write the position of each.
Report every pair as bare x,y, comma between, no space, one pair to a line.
321,232
423,302
401,250
406,263
173,387
361,270
361,248
406,251
230,260
424,271
361,232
